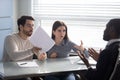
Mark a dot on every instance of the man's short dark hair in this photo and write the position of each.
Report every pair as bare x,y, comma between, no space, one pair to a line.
22,20
115,23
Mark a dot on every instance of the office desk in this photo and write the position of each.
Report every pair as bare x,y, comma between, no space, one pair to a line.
11,70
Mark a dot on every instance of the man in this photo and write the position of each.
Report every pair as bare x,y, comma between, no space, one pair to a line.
17,46
107,58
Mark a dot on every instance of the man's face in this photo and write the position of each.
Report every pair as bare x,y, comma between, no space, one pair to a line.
107,33
27,29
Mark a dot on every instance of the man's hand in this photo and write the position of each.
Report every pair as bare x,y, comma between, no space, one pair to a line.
42,56
36,50
83,58
93,53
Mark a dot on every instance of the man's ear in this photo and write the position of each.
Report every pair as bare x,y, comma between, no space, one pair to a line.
21,27
53,32
113,35
112,32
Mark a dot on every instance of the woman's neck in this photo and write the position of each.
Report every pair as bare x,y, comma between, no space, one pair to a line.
58,41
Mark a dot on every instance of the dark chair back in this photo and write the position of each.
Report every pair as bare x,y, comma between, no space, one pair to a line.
116,72
1,76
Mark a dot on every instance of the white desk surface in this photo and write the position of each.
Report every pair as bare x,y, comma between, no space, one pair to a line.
11,70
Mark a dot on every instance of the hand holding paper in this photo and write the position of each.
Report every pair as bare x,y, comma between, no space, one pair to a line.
42,56
41,39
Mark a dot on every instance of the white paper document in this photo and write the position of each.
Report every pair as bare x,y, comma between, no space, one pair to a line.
27,64
41,39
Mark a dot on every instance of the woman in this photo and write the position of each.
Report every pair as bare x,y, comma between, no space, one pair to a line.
63,45
62,48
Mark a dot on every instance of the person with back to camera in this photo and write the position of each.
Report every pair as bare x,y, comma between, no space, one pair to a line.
62,48
106,59
17,46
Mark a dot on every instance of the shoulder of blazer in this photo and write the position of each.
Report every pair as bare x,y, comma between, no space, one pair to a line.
114,45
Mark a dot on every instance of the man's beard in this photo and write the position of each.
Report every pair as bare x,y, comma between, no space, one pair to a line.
28,33
106,37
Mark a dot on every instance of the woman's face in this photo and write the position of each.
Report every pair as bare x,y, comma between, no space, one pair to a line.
60,32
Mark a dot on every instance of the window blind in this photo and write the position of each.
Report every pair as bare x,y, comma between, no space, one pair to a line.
89,12
79,13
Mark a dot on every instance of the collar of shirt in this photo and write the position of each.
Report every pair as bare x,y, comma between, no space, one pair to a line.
62,43
112,41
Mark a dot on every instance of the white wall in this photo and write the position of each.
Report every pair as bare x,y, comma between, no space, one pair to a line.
6,21
20,7
24,7
15,14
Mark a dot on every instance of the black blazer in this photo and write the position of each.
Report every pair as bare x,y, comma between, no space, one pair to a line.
105,63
